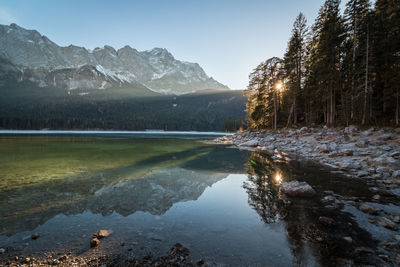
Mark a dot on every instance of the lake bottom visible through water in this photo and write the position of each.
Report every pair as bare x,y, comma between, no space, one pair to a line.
222,203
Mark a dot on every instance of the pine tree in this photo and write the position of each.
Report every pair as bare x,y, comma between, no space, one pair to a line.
327,55
261,94
344,70
386,51
357,22
294,66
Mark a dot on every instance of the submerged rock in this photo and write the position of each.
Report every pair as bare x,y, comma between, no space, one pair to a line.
297,189
326,220
368,209
36,236
387,223
102,233
179,250
94,242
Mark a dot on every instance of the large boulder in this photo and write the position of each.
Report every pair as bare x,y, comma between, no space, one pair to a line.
349,165
251,143
350,129
323,148
303,129
297,189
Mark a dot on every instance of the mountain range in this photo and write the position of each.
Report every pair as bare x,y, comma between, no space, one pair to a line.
47,86
26,55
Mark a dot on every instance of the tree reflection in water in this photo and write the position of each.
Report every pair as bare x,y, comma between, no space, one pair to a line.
309,239
262,188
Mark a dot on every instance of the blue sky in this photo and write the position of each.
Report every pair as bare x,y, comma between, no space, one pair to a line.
228,38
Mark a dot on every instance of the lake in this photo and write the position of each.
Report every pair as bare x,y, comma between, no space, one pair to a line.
154,190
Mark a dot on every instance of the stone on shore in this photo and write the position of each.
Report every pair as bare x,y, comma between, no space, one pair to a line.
297,189
251,143
350,129
322,148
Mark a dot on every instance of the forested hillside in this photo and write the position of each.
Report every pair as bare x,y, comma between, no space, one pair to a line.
24,106
344,69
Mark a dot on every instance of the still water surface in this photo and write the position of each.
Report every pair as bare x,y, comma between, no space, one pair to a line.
220,202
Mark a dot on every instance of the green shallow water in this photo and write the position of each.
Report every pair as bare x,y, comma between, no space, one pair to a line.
29,161
222,203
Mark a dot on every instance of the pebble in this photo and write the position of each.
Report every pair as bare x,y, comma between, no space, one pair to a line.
384,257
376,197
395,218
360,250
397,237
348,239
389,245
200,262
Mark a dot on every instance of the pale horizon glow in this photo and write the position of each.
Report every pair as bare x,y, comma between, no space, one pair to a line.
228,38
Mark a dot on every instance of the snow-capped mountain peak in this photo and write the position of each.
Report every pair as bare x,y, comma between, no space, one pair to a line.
36,58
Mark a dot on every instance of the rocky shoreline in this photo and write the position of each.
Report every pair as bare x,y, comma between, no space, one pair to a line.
178,255
370,154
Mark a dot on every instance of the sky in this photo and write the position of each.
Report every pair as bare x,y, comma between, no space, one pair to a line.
228,38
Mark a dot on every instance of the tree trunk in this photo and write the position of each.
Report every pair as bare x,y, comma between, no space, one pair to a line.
275,115
366,80
397,107
290,116
353,78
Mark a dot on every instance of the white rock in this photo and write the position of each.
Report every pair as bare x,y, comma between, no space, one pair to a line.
322,148
303,129
297,189
251,143
382,170
396,174
350,129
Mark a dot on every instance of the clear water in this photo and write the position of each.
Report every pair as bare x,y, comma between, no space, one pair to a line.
220,202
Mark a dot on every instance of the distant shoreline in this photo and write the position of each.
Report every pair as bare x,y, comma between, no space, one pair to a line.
88,132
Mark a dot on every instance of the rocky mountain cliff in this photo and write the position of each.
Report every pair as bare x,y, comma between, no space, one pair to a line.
26,55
